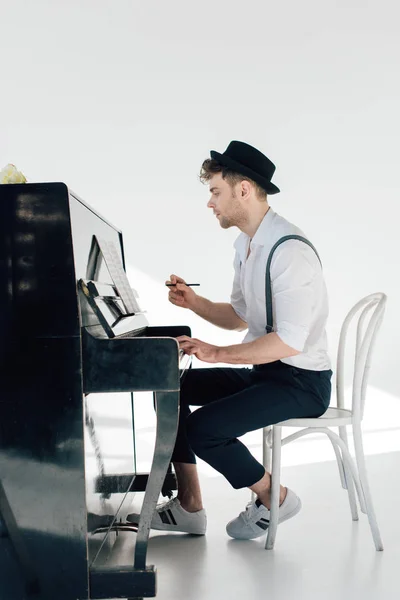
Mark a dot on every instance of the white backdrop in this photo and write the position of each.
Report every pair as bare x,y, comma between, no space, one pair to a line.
122,100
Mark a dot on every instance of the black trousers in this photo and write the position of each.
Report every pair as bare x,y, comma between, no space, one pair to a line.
237,400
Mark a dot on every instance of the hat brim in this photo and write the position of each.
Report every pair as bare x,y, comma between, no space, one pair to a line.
226,161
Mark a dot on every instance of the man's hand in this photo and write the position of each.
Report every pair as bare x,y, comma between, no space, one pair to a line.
180,294
201,350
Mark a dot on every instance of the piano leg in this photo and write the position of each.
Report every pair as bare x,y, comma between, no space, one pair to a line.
167,407
114,582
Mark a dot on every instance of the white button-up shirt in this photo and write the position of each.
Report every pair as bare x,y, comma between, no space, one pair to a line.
299,296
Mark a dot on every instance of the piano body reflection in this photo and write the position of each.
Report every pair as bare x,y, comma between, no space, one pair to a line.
65,348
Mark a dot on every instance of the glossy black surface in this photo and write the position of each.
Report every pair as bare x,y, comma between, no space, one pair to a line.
65,390
45,238
41,418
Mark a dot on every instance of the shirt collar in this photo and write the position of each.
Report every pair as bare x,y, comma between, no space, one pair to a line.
260,236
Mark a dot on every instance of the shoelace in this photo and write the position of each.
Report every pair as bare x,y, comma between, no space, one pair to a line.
251,508
248,513
165,505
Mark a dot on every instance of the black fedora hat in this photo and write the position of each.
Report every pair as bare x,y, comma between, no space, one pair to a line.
250,162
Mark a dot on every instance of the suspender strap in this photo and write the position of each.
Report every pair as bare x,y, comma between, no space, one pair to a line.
268,291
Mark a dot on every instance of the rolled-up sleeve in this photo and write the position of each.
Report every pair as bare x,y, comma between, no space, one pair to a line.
294,271
237,300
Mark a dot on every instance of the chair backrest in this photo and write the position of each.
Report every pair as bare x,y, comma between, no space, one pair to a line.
372,306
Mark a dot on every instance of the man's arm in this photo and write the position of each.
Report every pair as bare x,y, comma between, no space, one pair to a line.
266,349
220,314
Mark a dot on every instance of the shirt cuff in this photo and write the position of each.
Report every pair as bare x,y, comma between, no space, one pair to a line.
240,313
293,336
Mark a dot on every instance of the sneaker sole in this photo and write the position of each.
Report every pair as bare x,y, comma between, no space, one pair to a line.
165,527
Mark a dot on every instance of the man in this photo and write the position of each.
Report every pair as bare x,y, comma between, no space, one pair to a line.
290,369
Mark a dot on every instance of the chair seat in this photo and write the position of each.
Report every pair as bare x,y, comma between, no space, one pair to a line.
333,417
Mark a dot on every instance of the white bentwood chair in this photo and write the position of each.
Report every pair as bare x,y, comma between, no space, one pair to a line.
352,474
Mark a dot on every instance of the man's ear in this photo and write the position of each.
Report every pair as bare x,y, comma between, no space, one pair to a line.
245,188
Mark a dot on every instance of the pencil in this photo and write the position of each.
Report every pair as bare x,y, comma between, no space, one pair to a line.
188,284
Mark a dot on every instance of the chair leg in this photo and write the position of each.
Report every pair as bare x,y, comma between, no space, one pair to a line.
349,479
360,493
267,454
340,464
275,487
360,458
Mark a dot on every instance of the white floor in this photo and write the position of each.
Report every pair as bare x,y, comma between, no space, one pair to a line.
319,553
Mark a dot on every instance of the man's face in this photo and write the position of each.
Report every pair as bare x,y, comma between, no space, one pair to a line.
225,202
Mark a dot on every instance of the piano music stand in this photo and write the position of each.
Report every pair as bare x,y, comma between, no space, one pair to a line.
106,250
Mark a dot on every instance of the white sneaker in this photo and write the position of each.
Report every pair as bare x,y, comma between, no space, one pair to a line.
253,522
170,516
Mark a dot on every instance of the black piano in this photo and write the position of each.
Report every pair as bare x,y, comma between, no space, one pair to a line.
72,336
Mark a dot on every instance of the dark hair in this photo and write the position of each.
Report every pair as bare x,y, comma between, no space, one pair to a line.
211,166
